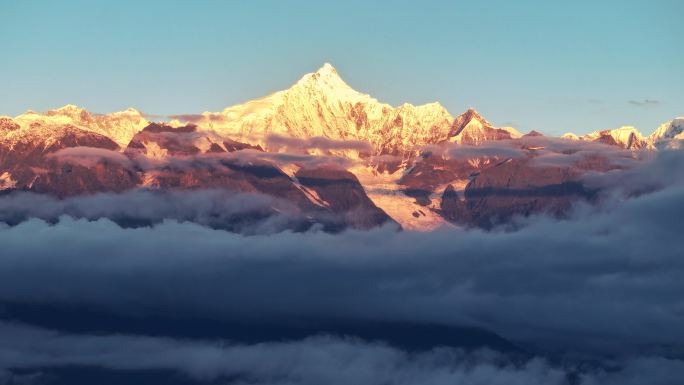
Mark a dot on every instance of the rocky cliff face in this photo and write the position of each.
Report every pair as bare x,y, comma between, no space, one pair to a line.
472,129
512,188
341,192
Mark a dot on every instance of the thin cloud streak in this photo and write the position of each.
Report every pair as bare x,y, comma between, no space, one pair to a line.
644,103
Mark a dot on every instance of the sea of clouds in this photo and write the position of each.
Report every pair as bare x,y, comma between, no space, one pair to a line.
602,286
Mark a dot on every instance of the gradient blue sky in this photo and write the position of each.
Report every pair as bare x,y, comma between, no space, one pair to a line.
553,66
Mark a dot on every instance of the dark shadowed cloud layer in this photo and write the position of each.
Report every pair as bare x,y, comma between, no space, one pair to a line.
315,360
606,281
612,282
247,213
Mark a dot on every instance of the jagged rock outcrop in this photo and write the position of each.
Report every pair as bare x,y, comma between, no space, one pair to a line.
471,128
520,187
341,192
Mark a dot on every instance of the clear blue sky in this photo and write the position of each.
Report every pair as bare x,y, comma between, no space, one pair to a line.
553,66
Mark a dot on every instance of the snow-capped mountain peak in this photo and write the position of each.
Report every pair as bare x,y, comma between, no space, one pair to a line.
119,126
469,118
471,128
72,112
322,104
627,137
69,108
669,133
327,72
328,84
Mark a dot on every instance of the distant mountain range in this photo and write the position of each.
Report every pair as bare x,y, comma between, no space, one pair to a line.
321,153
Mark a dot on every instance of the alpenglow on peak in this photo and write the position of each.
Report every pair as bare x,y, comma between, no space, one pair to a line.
326,70
322,104
325,77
